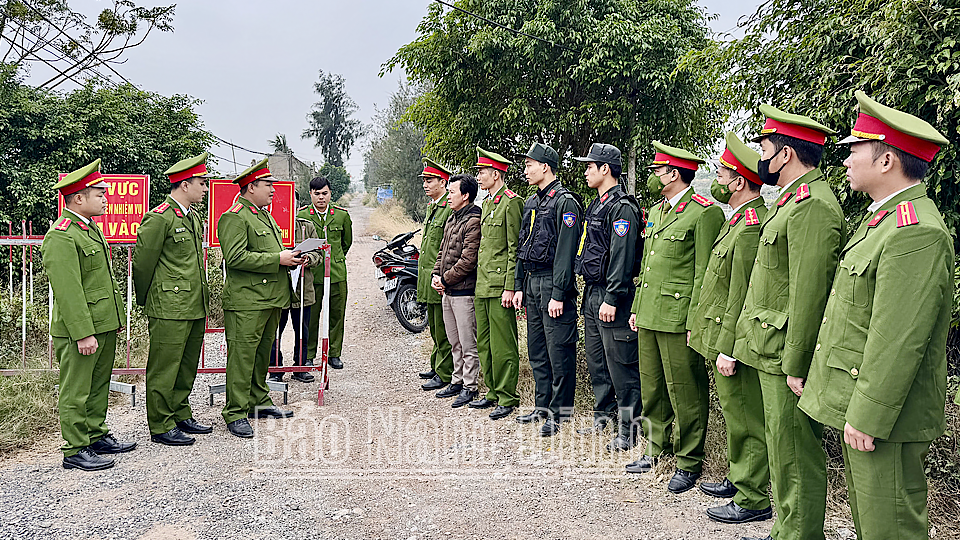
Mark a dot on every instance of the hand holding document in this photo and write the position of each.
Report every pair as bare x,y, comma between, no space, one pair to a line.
310,244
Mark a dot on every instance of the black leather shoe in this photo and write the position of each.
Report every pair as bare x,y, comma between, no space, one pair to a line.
720,490
501,412
87,460
732,513
549,428
174,437
532,417
620,444
108,445
193,427
308,363
334,362
599,424
269,412
682,481
482,403
433,384
241,428
466,396
302,376
429,374
450,391
275,377
642,465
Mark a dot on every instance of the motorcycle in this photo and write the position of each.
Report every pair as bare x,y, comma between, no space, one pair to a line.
396,274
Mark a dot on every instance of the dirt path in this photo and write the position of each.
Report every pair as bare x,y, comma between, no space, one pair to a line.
381,459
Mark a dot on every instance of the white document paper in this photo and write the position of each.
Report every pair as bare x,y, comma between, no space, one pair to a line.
310,244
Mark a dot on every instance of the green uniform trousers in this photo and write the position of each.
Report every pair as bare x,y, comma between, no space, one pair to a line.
888,490
675,392
551,346
498,349
798,464
171,369
84,391
250,336
742,405
441,357
614,345
338,307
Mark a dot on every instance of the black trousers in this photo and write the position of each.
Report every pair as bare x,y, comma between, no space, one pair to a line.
551,346
301,331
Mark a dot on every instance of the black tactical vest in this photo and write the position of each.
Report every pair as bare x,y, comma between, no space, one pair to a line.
593,256
538,230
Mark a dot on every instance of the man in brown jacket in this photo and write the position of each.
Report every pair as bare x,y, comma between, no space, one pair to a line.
455,277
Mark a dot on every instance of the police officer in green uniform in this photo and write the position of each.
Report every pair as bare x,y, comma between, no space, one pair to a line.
86,315
545,284
435,178
171,285
606,259
713,331
786,294
334,224
256,288
679,235
879,368
493,301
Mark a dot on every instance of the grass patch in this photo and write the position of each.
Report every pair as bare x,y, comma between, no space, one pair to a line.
28,408
389,220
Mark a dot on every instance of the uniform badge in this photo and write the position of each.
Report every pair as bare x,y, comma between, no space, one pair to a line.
735,218
570,219
62,226
509,193
621,227
253,209
703,201
496,200
160,209
179,230
751,217
878,218
313,211
649,224
681,207
331,210
604,198
235,208
906,214
786,197
803,192
83,226
178,212
552,193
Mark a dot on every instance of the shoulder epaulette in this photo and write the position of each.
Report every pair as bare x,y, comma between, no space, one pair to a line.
63,224
342,209
304,207
735,218
162,208
906,214
786,197
253,209
681,207
235,208
509,193
703,201
803,193
878,218
751,217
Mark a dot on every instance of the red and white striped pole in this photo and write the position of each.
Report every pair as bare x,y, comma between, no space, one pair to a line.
324,324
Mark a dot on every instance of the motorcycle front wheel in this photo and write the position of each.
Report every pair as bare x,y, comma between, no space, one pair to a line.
411,314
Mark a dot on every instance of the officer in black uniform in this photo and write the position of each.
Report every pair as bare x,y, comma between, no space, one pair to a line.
605,259
545,284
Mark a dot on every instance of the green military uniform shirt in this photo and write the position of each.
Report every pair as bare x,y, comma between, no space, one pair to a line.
678,242
336,226
725,281
880,362
788,288
251,242
500,229
168,274
87,297
429,247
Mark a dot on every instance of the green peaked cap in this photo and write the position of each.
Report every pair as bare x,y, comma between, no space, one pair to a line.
491,159
434,165
252,173
185,165
81,174
896,128
675,157
792,125
740,157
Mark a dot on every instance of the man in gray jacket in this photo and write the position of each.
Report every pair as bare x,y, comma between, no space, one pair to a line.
455,278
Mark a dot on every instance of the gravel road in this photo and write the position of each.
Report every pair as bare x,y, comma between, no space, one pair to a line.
380,459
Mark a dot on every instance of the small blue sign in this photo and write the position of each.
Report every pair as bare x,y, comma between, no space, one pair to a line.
621,227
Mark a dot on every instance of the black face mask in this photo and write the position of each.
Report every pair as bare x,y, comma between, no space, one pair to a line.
763,171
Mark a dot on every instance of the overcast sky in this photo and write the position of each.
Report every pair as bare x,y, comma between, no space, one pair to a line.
253,63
